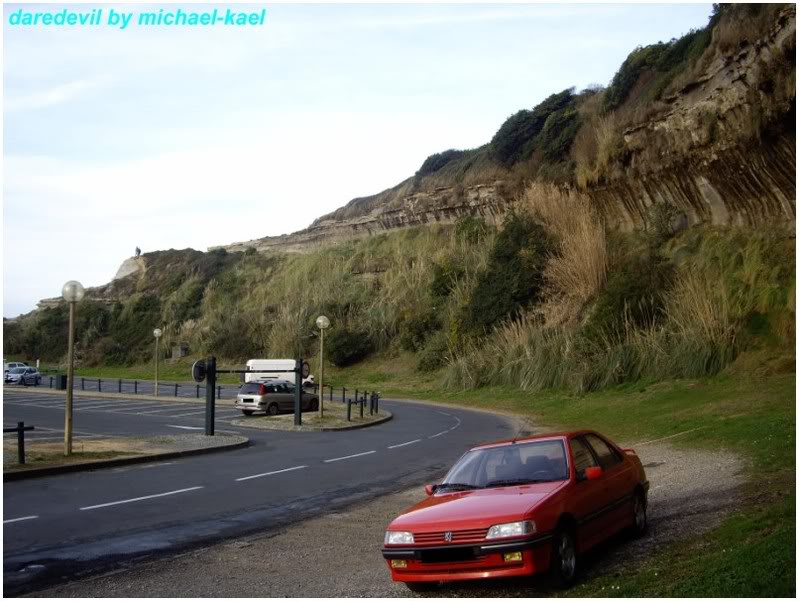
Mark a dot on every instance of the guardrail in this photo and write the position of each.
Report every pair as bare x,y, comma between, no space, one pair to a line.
20,430
120,385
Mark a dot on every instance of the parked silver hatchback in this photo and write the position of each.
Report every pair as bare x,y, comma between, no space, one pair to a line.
273,397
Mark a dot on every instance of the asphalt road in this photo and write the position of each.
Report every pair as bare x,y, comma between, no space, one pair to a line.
73,524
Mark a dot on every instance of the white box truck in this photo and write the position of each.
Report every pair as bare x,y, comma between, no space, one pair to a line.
273,369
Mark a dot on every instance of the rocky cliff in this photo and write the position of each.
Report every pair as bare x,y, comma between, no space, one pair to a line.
719,146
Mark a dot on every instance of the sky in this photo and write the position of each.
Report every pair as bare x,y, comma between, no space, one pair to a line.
175,137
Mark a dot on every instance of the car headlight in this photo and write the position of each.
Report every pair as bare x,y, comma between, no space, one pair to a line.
398,538
511,529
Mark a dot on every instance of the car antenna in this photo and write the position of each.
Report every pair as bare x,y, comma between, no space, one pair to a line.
521,429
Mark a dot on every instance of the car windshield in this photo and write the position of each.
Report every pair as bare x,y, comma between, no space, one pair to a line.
509,465
17,370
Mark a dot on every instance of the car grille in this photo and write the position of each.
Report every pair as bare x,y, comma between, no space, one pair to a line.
476,535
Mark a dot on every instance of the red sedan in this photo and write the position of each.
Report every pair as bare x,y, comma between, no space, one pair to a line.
519,507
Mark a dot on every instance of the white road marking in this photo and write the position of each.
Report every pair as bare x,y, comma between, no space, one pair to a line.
160,410
27,517
456,425
445,413
185,427
349,456
189,413
131,407
89,408
404,444
163,494
439,434
289,469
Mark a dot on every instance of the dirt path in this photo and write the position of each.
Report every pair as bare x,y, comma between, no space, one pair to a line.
338,555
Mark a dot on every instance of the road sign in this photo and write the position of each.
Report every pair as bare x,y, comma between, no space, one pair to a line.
306,369
198,370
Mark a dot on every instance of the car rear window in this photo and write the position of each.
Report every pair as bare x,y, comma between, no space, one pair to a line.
607,457
250,388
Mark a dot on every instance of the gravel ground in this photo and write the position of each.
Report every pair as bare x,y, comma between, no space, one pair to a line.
338,554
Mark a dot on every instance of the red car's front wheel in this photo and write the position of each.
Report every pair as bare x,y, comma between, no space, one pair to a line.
564,559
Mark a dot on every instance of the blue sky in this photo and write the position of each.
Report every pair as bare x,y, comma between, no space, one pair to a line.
194,137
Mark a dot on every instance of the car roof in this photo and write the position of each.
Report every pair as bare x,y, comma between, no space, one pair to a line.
536,437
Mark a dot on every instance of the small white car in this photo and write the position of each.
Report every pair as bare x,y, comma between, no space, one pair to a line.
273,397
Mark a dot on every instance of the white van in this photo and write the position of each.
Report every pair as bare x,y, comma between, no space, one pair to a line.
267,369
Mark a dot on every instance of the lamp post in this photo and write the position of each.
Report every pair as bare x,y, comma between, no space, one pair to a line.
157,333
322,323
72,292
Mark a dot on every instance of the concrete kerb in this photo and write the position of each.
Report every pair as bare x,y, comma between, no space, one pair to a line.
93,465
248,423
112,395
516,421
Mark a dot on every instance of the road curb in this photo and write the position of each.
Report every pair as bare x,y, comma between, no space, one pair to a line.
516,419
86,467
243,424
113,395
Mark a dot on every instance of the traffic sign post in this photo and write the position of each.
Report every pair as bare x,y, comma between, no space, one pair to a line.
210,394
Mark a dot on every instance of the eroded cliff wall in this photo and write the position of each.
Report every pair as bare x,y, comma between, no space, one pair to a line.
721,149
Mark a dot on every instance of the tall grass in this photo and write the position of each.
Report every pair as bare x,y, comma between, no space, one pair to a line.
734,290
579,268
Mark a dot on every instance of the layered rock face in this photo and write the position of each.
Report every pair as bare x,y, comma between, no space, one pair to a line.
705,150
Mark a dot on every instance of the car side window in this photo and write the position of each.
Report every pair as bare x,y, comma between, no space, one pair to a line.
583,458
607,457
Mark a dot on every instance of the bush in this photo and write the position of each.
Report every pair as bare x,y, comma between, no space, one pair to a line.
558,134
515,140
345,346
471,229
445,276
514,275
435,353
436,161
633,296
417,329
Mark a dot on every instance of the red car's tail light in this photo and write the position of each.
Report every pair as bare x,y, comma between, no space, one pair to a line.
261,389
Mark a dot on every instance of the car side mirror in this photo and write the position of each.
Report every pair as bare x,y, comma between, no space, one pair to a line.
592,473
429,489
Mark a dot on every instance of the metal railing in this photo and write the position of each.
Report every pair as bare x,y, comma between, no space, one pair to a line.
120,385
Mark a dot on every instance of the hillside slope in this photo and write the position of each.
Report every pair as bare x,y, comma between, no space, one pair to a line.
705,123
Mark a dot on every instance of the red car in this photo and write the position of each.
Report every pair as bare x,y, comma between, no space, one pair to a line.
519,507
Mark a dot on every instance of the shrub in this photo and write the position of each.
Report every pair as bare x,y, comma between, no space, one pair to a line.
436,161
346,346
633,296
515,140
558,134
445,275
435,353
513,277
417,329
471,229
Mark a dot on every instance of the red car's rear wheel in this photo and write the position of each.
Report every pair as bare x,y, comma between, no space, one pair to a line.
640,522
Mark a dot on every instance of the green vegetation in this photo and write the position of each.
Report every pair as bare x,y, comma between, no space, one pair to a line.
346,347
436,161
513,276
524,132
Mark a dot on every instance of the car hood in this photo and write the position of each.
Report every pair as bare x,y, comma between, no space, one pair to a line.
474,509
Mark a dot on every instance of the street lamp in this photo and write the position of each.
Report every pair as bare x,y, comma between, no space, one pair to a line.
157,333
322,323
72,292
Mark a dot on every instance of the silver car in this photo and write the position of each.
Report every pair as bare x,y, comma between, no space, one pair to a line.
27,376
273,397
